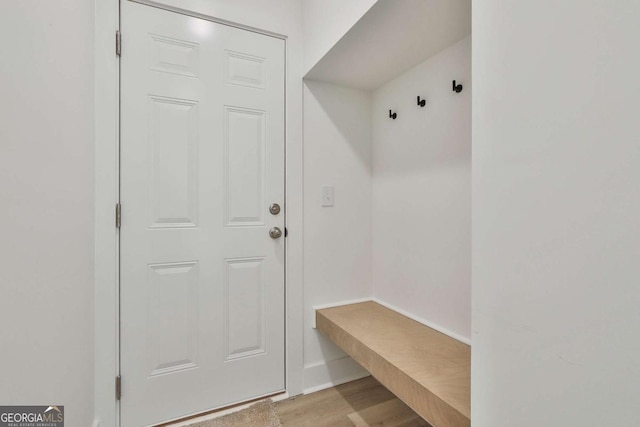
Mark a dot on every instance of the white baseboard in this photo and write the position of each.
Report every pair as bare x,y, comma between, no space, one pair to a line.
332,373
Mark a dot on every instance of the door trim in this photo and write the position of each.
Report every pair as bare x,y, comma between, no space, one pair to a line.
107,186
195,14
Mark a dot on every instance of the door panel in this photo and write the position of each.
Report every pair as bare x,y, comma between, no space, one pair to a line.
172,317
244,166
173,151
202,158
244,316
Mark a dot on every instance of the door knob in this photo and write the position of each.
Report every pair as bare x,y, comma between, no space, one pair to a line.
275,233
274,209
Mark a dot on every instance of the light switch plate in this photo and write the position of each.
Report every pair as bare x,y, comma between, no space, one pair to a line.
327,195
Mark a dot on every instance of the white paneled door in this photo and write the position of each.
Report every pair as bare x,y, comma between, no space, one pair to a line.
202,266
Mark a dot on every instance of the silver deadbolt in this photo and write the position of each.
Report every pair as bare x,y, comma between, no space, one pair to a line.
274,209
275,233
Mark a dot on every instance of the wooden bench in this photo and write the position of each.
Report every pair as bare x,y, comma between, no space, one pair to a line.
428,370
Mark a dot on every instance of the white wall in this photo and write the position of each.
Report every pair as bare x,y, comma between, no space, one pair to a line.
46,189
422,192
337,240
325,22
556,237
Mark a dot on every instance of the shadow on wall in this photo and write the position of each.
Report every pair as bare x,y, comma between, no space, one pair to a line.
337,104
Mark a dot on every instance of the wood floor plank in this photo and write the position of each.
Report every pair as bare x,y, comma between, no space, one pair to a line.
392,413
331,407
429,371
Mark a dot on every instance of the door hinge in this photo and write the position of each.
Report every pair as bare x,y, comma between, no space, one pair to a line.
118,43
286,232
118,387
118,215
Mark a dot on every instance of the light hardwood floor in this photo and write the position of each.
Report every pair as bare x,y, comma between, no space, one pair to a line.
361,403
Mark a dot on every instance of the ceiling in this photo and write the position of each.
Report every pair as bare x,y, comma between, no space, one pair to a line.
393,37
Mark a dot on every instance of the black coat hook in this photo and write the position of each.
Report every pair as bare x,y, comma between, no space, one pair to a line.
393,115
457,88
421,102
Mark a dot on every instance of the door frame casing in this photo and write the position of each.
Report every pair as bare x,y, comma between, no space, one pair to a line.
107,188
